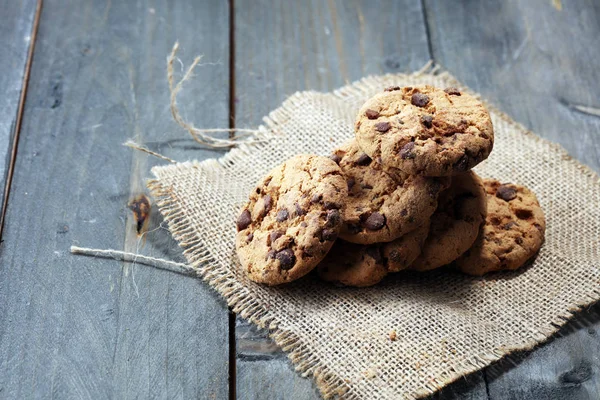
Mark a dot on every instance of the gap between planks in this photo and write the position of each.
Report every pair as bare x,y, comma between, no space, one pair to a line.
427,31
231,314
21,107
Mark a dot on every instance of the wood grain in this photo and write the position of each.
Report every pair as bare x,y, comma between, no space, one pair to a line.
15,39
87,328
534,60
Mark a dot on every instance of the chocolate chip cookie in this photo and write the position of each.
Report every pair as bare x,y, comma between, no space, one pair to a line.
292,219
512,234
400,253
381,208
455,224
352,264
425,130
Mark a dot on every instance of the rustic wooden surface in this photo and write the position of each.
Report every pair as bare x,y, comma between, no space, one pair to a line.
83,328
74,327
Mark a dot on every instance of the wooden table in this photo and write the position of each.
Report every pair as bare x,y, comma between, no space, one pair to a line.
80,77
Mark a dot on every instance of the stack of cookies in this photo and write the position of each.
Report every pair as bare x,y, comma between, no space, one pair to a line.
399,196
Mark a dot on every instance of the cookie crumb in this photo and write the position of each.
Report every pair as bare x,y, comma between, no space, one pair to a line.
393,335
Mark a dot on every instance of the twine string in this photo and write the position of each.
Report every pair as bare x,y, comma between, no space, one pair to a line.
154,262
201,136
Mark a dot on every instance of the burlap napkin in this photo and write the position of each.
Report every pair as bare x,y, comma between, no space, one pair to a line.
446,324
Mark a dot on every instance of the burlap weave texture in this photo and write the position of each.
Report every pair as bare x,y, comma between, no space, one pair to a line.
446,324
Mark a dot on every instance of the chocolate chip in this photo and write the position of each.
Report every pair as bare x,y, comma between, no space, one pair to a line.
519,240
506,192
328,235
509,225
306,252
400,121
404,212
329,205
244,220
335,158
434,189
267,201
350,182
479,156
452,90
483,135
316,198
419,99
366,186
271,254
333,218
395,256
303,224
374,222
274,236
286,258
538,227
371,114
374,253
299,210
249,237
282,215
383,126
407,151
391,88
354,228
427,120
462,164
523,214
363,159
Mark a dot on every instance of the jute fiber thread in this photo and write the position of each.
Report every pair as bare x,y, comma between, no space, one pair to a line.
447,325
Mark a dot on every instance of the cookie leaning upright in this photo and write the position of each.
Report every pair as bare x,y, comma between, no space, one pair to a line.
291,220
455,224
381,208
425,130
513,231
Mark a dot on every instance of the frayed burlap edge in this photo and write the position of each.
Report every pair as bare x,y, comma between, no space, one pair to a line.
242,303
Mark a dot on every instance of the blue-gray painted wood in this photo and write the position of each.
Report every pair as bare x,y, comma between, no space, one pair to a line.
320,46
75,327
536,61
15,38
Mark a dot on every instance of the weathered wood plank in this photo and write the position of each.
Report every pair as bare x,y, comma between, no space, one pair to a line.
321,46
76,327
535,61
560,369
532,60
15,39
